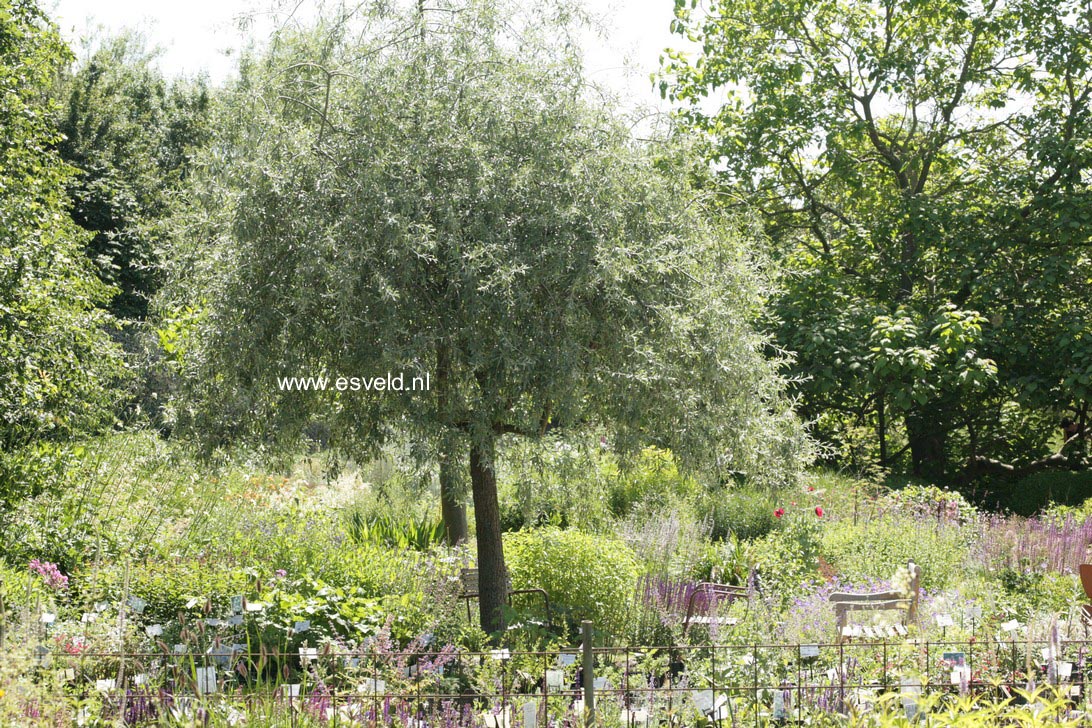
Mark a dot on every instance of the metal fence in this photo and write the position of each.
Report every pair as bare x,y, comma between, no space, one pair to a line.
756,684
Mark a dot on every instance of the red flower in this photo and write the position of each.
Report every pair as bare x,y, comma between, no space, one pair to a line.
779,512
811,488
819,511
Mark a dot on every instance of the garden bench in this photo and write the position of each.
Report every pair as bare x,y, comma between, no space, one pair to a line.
845,602
471,590
716,594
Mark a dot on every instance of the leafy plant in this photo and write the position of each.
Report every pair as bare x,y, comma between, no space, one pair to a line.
397,532
585,576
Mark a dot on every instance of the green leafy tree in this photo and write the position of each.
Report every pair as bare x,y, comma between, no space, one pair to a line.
923,168
451,202
131,134
57,364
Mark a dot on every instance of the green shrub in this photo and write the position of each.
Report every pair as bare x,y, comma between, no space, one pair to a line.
747,514
168,588
1028,592
653,480
586,576
1029,495
875,548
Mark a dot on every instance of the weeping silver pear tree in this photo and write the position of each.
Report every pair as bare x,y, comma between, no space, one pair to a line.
437,191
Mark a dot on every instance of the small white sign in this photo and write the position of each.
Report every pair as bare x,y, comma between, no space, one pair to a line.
555,679
566,658
292,690
105,686
237,604
779,712
1065,670
137,604
974,612
301,626
1048,654
808,651
502,654
1011,626
307,654
206,680
600,683
48,618
235,620
497,720
212,622
945,620
530,714
101,606
255,606
140,679
961,674
154,630
88,617
703,700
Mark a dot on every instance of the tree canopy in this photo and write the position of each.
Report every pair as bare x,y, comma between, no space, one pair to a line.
438,193
924,169
57,363
131,134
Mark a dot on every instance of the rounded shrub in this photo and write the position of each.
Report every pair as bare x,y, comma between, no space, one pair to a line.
747,514
586,576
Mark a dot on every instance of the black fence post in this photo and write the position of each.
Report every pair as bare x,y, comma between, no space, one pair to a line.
588,674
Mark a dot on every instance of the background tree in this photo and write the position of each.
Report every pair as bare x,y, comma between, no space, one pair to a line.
131,134
456,205
923,168
57,364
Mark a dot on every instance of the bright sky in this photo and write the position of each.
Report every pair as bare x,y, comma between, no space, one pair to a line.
199,35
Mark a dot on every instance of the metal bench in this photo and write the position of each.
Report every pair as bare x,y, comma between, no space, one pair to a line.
845,602
471,590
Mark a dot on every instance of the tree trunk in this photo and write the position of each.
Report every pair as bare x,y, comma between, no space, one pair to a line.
926,441
492,574
881,426
452,509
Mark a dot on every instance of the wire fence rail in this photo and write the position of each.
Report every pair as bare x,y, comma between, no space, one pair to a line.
729,684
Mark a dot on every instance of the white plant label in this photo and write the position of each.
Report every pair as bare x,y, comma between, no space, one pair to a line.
530,715
206,680
555,679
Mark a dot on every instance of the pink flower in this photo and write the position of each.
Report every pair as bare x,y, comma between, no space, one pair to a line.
779,512
50,574
819,511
